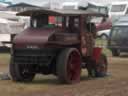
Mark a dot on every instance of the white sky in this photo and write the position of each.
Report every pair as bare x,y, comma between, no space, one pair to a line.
30,1
40,2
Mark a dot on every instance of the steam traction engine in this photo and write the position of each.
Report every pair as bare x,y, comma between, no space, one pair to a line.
62,48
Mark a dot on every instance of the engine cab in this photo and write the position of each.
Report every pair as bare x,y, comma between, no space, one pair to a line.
52,48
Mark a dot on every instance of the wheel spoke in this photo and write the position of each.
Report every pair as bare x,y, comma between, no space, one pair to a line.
69,71
73,66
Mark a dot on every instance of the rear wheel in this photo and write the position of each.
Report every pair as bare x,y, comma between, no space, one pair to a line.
101,66
69,66
115,52
104,37
21,72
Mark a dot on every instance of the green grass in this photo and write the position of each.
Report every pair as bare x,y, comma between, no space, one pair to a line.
103,44
100,42
41,83
107,52
4,58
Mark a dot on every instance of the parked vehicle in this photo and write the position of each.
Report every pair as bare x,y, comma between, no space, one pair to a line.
98,7
104,34
102,23
103,27
118,9
10,24
118,41
60,49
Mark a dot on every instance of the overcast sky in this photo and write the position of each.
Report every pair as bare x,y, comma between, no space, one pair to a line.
41,2
34,2
38,1
29,1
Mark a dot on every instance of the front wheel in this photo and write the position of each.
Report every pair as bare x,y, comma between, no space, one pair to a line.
20,72
69,66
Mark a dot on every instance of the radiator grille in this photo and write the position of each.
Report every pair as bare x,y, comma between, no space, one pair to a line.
34,56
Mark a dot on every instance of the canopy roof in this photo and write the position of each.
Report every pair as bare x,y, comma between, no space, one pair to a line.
22,5
59,12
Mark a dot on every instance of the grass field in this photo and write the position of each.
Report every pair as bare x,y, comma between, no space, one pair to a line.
114,85
103,44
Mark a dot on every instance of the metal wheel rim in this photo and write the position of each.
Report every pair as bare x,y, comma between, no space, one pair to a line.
73,68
